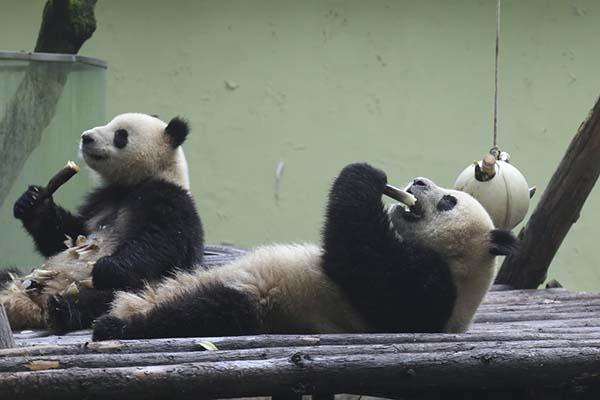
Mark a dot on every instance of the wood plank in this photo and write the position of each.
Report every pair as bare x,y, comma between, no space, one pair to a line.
315,373
112,360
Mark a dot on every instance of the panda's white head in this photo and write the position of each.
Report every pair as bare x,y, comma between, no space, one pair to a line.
452,223
134,147
457,227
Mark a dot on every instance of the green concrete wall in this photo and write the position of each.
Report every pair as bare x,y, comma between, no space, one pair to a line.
406,85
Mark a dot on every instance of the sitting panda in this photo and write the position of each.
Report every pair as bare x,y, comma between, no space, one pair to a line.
139,225
420,269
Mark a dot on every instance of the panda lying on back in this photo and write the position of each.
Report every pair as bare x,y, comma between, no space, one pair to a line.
139,225
423,269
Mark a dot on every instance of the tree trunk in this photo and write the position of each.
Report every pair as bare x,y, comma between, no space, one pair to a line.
557,210
66,25
6,336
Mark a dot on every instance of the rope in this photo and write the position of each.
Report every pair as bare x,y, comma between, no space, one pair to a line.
496,75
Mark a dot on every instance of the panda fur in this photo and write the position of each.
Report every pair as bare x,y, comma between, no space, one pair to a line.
138,225
420,270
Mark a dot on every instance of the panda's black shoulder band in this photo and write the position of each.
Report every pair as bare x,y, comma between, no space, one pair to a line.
177,130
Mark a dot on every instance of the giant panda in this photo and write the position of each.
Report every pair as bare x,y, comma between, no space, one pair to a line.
420,269
138,225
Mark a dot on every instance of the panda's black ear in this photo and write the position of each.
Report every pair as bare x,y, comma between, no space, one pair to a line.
503,242
177,130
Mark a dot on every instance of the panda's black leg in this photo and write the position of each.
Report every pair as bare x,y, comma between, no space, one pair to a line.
77,311
211,310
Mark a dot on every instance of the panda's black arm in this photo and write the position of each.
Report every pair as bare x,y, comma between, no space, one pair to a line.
383,277
164,233
356,221
46,222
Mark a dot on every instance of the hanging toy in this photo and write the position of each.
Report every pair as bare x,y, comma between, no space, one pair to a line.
499,187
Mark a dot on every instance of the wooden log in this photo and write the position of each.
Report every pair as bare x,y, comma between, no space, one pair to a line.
531,317
270,341
580,327
531,296
501,288
303,373
6,336
30,334
583,323
113,360
557,210
575,304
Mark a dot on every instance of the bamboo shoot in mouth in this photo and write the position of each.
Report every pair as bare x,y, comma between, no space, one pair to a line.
400,195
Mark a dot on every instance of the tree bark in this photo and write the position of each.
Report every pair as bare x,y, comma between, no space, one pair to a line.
82,346
66,25
557,210
114,360
6,336
304,372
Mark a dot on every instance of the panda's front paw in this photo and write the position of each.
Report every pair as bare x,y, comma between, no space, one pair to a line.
108,327
35,201
361,179
107,274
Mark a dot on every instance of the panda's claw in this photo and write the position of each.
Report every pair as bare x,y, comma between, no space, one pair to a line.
31,202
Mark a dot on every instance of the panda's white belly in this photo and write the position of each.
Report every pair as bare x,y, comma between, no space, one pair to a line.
293,292
472,284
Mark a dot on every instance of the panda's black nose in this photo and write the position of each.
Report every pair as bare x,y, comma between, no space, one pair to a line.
86,139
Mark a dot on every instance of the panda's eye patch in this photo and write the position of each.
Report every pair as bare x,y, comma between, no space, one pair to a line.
446,203
120,139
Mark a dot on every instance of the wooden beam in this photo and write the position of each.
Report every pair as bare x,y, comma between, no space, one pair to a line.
479,334
6,336
304,371
557,210
116,359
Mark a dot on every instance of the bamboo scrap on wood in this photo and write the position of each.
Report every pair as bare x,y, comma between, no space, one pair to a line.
558,208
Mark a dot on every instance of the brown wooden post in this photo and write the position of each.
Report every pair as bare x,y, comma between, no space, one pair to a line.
66,25
558,208
6,337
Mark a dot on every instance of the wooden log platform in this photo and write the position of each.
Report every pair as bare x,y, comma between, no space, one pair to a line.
523,344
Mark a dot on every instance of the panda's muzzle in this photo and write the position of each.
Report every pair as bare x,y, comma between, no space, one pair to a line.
416,211
87,145
410,207
97,157
89,151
